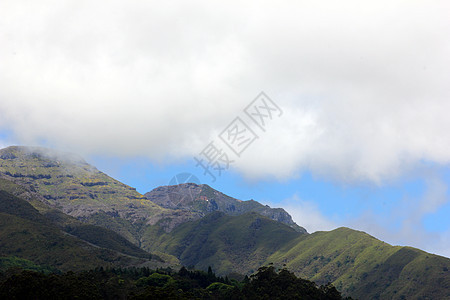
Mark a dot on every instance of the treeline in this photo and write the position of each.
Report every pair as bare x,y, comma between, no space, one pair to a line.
143,283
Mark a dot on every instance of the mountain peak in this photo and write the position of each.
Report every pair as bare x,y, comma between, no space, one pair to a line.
203,199
67,182
25,152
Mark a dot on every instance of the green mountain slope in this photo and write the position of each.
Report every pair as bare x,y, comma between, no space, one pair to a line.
200,200
230,244
355,262
96,235
27,234
361,265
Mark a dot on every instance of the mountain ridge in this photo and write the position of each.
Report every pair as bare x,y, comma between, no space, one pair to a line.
355,262
203,199
82,191
204,230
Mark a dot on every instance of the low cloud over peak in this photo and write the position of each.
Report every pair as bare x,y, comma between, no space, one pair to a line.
363,88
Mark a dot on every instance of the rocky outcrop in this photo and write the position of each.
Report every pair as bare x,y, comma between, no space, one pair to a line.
202,199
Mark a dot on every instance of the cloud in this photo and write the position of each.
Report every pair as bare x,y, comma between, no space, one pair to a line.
363,86
401,225
404,225
442,247
307,214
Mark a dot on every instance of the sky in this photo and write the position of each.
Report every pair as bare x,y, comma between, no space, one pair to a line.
352,128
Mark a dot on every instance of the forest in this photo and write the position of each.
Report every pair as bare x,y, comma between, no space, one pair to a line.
144,283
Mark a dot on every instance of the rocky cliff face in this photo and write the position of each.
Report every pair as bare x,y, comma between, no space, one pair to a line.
202,199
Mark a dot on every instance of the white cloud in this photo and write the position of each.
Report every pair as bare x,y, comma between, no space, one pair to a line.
307,214
442,246
404,224
363,86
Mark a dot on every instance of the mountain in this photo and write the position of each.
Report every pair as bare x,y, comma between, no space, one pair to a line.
228,243
61,212
365,267
201,200
355,262
27,238
67,183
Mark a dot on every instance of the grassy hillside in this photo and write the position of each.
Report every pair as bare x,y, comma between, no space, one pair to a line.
28,235
107,239
96,235
360,265
240,244
355,262
44,245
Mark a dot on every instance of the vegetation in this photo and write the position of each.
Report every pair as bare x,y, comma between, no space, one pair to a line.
13,262
355,262
57,213
144,283
362,266
107,239
68,183
230,244
28,236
